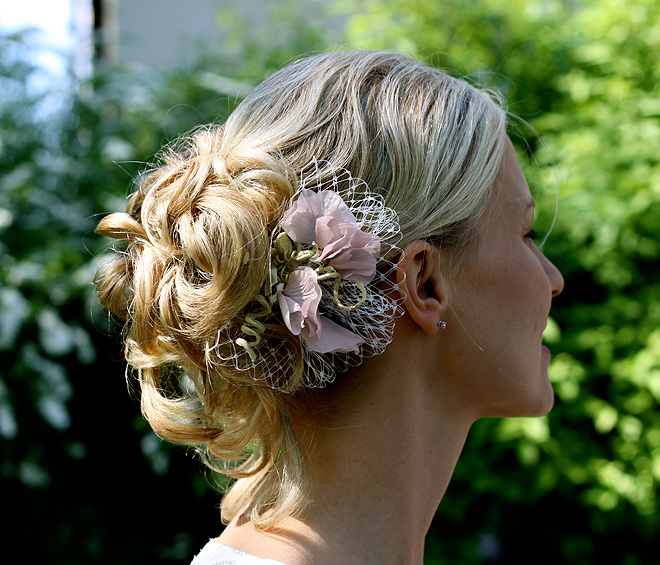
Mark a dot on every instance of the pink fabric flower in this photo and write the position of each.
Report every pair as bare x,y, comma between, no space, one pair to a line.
323,217
299,304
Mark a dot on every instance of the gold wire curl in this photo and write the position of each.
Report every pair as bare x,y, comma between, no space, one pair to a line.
254,328
328,272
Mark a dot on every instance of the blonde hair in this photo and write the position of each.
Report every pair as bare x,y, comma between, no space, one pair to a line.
199,230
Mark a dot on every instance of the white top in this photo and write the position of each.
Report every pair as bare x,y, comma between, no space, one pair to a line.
215,553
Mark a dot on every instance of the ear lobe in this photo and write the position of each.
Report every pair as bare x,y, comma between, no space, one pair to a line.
420,277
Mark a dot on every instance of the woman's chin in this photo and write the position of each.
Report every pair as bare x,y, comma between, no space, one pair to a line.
533,402
541,402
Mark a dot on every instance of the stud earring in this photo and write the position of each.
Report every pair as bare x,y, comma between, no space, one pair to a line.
442,325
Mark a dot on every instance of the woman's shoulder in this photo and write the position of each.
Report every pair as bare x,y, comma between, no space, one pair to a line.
215,553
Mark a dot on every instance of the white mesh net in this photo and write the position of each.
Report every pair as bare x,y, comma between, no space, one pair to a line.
273,359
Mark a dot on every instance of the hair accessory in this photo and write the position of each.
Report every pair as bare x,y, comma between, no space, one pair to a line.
442,325
329,284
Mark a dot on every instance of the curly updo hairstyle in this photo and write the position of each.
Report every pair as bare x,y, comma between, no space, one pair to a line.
198,235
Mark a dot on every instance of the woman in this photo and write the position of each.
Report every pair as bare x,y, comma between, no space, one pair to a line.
323,294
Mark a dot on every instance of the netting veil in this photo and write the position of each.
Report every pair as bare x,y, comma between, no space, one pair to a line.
261,344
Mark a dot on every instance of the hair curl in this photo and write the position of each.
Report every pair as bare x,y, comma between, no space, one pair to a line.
198,232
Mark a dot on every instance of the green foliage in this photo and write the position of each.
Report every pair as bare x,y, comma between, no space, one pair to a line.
609,167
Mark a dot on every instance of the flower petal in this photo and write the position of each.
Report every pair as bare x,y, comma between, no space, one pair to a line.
292,314
299,221
352,252
299,301
332,338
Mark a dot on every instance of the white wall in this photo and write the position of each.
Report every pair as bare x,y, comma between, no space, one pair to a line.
158,33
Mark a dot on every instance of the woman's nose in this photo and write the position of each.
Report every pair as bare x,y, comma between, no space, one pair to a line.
555,278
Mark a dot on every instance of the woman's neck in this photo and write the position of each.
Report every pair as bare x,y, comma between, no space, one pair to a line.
378,472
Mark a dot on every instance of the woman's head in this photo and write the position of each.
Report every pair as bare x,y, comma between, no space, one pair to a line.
200,231
489,361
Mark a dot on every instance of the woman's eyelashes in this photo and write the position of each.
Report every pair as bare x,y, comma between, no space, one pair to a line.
532,234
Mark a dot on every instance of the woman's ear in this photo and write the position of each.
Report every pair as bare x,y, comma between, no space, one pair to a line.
420,277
